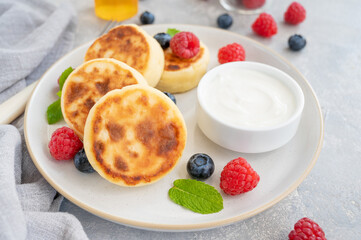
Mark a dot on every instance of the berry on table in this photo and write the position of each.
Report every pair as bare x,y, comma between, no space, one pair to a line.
185,45
146,18
295,13
296,42
200,166
224,21
306,228
64,144
163,39
81,162
265,25
231,53
238,177
252,4
171,96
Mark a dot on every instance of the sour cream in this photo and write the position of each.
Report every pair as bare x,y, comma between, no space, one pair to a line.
249,98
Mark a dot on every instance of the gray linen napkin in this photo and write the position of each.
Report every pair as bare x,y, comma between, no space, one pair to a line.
28,204
33,34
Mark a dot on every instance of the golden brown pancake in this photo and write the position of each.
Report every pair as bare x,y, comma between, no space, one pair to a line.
88,83
132,45
134,136
181,74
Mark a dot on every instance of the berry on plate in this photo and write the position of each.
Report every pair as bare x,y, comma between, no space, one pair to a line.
81,162
238,177
251,4
224,21
163,39
296,42
295,13
64,144
185,45
200,166
171,96
305,228
231,53
265,25
146,18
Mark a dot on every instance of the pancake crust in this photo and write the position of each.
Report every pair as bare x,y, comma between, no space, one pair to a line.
181,74
88,83
132,45
134,136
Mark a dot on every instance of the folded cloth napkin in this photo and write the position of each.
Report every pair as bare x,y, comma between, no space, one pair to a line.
29,205
33,34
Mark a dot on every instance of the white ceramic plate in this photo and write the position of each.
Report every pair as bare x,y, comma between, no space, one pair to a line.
149,207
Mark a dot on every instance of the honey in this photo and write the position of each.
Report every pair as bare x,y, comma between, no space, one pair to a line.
117,10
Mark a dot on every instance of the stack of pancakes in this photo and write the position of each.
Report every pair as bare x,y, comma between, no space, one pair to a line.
133,134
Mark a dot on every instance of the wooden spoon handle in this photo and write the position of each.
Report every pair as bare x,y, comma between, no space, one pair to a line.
15,106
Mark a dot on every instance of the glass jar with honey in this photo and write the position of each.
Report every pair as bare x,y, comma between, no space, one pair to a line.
117,10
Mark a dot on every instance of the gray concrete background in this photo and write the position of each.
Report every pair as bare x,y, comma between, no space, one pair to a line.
331,194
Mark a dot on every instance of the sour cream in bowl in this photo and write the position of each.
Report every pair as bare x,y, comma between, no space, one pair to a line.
249,107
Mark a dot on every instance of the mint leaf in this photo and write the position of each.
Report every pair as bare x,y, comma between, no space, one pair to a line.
64,76
53,113
172,31
196,196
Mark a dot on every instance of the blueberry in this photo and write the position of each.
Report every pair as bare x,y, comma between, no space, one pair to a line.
163,39
224,21
171,96
147,18
200,166
296,42
81,162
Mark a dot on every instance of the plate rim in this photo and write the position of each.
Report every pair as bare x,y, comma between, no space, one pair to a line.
183,227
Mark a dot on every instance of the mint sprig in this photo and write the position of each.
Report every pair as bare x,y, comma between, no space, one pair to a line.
172,31
196,196
64,76
53,113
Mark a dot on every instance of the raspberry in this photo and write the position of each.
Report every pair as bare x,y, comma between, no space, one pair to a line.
305,228
185,44
265,25
238,177
231,53
295,13
64,144
251,4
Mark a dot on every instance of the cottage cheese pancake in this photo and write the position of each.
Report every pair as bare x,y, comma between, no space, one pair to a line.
88,83
181,74
134,136
132,45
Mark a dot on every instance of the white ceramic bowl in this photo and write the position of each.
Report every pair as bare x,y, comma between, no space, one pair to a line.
246,139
